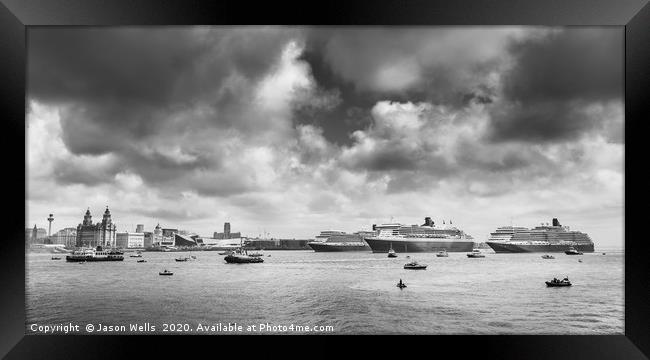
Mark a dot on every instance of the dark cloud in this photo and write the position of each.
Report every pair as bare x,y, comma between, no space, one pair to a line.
554,79
122,91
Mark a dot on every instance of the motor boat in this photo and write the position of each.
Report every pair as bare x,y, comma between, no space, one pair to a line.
442,253
240,256
572,251
476,253
56,258
391,252
558,283
142,261
166,272
136,255
414,265
546,256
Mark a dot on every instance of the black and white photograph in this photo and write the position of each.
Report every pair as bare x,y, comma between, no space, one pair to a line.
290,180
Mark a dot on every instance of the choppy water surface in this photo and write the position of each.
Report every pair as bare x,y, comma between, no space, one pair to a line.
353,292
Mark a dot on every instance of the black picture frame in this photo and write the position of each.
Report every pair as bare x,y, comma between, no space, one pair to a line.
16,16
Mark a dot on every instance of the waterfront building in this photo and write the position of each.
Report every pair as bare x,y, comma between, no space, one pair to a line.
129,240
101,233
226,234
163,237
169,232
35,235
66,237
184,240
148,239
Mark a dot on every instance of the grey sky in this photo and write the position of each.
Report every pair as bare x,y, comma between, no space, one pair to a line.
294,130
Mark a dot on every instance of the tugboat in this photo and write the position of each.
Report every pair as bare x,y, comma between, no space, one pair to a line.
557,283
97,254
546,256
442,253
166,272
572,251
400,284
240,256
391,252
413,265
476,253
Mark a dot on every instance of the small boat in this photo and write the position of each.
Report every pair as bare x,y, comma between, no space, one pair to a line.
56,258
240,256
193,257
476,253
414,265
558,283
400,284
442,253
255,254
269,255
391,252
572,251
137,255
579,260
604,254
182,259
546,256
166,272
142,261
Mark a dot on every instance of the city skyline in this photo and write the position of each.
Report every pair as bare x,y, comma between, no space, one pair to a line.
295,130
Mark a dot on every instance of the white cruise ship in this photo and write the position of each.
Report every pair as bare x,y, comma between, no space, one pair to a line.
545,238
428,237
505,233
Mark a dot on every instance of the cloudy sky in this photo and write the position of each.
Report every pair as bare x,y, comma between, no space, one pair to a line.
294,130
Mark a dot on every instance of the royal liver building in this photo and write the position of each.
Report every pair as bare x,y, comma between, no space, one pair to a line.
92,235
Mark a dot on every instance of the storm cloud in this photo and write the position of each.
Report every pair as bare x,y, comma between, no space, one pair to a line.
324,127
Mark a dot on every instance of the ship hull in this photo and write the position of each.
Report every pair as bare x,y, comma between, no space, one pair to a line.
379,245
337,248
91,259
516,248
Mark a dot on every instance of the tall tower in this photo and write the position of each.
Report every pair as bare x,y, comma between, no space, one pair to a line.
139,228
49,229
226,230
88,219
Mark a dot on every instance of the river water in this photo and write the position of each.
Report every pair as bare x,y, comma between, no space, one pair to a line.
340,293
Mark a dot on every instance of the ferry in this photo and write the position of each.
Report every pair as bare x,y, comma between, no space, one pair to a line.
428,237
97,254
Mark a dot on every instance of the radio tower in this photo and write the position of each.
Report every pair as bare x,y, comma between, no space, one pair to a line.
49,230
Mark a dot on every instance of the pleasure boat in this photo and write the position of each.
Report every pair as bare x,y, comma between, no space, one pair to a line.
558,283
476,253
414,265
